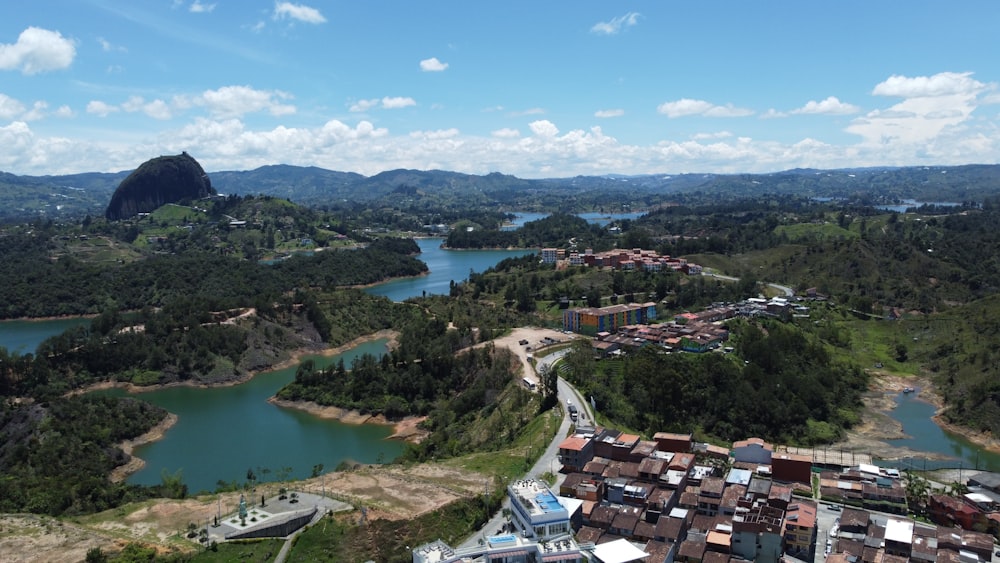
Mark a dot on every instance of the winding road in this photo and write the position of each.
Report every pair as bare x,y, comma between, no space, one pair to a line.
549,460
789,292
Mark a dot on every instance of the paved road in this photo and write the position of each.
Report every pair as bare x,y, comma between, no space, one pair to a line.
782,288
549,460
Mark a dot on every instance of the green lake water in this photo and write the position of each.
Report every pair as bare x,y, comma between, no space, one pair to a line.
223,431
24,337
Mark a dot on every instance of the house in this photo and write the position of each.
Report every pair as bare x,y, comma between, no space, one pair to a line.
621,449
952,539
757,531
575,451
671,442
753,450
672,529
710,495
660,552
625,521
800,528
899,537
602,516
651,468
618,551
854,521
986,480
637,493
692,550
730,499
947,510
642,450
791,468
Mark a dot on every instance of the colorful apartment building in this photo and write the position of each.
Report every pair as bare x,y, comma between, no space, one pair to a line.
592,320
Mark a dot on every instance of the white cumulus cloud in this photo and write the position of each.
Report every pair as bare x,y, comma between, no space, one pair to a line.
397,102
615,25
156,109
199,8
9,107
605,113
941,84
543,128
432,65
506,133
435,135
234,101
529,111
37,50
707,136
299,12
686,106
101,109
387,102
363,105
829,106
933,111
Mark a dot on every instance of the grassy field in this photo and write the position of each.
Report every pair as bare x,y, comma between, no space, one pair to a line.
258,551
815,231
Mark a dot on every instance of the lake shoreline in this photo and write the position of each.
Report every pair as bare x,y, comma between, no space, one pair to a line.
927,392
135,464
294,358
879,427
53,318
406,429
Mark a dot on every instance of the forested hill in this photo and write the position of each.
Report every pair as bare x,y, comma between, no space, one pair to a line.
76,195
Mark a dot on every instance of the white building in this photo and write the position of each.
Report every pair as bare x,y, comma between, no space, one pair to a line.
537,512
507,548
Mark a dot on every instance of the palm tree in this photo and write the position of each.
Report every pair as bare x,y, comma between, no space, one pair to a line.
957,488
916,492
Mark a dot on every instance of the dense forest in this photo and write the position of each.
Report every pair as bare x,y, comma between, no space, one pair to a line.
56,456
556,230
32,284
780,383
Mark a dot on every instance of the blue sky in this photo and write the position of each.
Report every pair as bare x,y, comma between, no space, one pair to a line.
533,89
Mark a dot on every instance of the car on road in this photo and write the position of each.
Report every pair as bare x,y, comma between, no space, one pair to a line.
835,507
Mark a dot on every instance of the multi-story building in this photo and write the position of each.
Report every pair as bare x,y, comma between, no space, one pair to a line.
800,528
575,451
536,511
591,320
757,531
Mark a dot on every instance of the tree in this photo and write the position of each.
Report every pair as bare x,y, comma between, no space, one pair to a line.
96,555
550,386
251,478
957,488
593,297
916,492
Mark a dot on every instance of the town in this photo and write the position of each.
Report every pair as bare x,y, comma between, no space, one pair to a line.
619,498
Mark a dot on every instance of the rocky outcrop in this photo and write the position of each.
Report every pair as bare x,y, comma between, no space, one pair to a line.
165,179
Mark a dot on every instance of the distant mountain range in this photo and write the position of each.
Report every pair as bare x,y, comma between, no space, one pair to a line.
76,195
